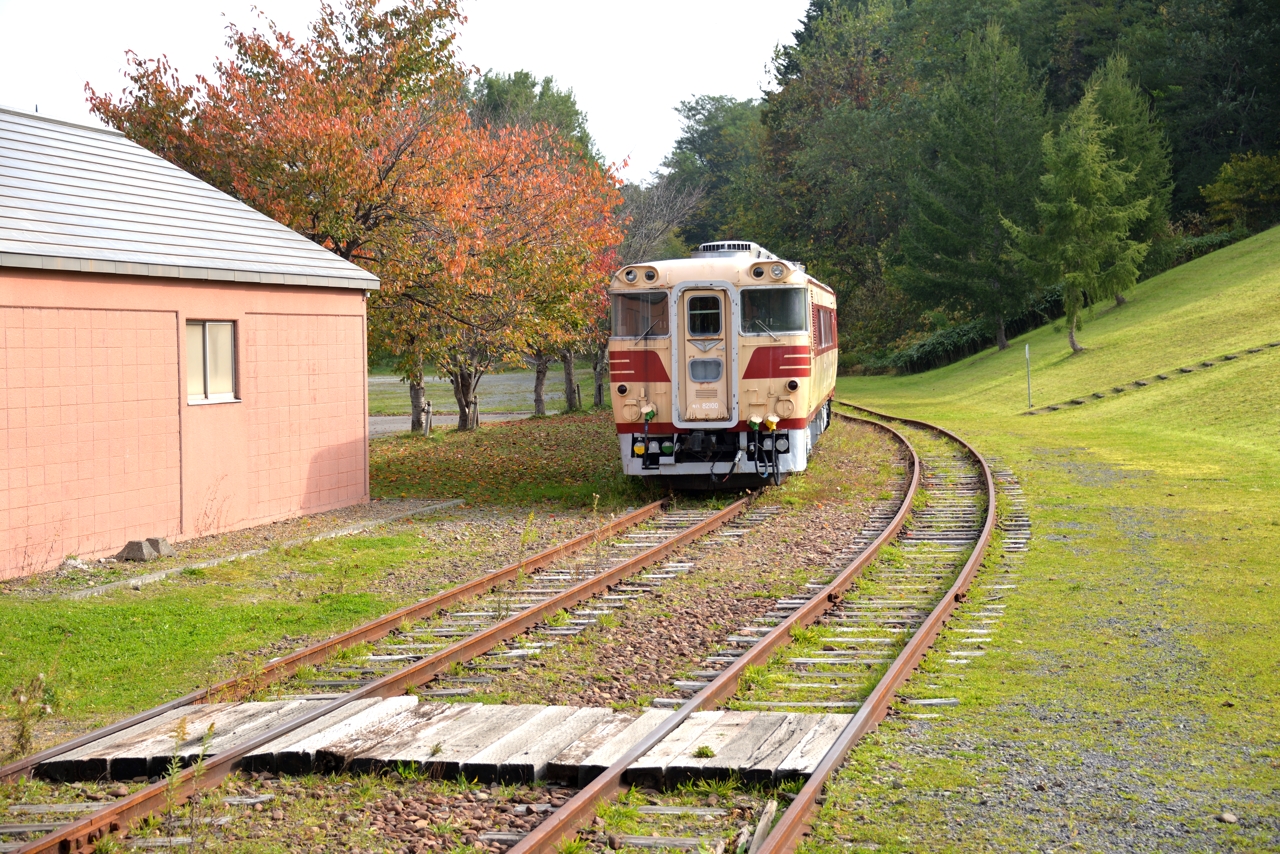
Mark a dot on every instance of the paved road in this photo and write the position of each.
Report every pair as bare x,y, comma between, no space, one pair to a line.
386,425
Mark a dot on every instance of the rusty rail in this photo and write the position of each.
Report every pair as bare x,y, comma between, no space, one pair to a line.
795,822
115,817
284,667
580,809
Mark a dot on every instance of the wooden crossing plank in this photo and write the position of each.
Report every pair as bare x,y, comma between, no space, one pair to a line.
530,763
806,755
715,739
126,758
612,750
298,753
475,731
565,764
739,754
484,765
415,745
264,759
762,763
653,765
90,761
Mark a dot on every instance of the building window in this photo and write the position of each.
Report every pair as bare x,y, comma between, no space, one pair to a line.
211,361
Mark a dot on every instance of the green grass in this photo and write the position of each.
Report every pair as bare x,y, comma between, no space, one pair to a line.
127,650
1143,631
568,459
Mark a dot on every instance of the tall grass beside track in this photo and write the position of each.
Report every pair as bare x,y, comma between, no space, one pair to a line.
1132,694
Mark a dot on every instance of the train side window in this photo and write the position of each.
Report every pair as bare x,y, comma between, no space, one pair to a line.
640,315
771,310
704,315
705,370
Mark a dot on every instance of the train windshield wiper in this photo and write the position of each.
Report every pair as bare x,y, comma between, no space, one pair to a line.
650,329
760,323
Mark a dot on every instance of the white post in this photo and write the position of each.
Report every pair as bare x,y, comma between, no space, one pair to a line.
426,420
1028,376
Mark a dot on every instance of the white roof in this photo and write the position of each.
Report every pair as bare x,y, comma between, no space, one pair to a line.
90,200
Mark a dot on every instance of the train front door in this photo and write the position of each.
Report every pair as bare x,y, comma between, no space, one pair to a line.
704,385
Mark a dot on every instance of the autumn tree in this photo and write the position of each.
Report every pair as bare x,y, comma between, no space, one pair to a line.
1082,241
521,238
330,135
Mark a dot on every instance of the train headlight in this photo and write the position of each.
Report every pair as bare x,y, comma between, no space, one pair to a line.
630,276
622,389
771,422
757,272
777,271
638,449
782,444
650,275
791,386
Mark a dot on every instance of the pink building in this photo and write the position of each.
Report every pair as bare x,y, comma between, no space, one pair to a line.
172,363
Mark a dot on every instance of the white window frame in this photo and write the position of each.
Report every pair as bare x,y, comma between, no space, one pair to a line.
206,398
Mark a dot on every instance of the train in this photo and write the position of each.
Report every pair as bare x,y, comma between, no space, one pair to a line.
722,366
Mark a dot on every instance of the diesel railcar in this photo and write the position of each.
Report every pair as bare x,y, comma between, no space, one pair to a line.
722,366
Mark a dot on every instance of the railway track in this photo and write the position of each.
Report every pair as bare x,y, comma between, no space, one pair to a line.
511,601
879,611
865,613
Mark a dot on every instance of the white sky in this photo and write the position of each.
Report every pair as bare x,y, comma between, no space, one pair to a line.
629,62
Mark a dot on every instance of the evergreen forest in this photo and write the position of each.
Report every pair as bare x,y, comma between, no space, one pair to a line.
962,171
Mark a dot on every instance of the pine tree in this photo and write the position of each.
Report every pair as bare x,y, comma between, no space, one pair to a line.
979,165
1085,217
1137,139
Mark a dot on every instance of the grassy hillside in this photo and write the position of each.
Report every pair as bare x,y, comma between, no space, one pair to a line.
1132,696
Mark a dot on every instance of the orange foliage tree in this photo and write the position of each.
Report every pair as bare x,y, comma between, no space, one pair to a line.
357,137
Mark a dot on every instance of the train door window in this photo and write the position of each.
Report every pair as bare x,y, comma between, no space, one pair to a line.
772,310
704,315
640,315
705,370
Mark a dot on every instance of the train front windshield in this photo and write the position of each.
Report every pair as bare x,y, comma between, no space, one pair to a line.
638,315
775,310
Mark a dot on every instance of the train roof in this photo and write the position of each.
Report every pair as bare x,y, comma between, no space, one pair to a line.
739,262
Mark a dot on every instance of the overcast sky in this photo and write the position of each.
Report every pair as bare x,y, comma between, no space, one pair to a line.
629,62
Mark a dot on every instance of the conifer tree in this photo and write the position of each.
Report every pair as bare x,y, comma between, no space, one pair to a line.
1136,139
1085,217
979,164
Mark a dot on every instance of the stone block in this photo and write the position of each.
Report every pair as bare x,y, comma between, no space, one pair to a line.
139,550
161,547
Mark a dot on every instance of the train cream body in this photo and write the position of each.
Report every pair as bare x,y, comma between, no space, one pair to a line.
722,366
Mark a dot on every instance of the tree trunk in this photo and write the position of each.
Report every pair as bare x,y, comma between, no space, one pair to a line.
1071,338
600,368
1002,340
570,387
464,381
417,398
540,364
1120,300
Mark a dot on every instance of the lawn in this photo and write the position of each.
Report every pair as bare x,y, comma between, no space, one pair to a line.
1133,694
571,460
